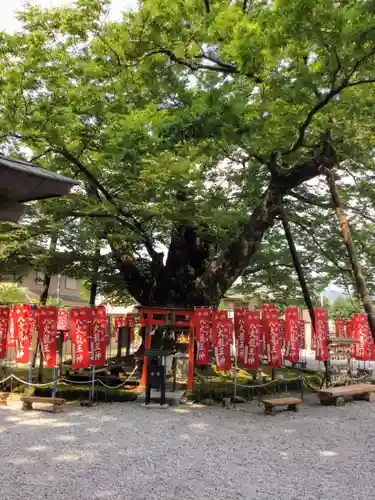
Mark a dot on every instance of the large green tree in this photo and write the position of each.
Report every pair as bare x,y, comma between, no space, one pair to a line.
191,124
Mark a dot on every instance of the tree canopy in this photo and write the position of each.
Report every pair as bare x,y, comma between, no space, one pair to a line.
192,124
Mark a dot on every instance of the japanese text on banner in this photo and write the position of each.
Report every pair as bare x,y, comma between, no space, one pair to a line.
202,323
361,333
99,342
11,342
321,334
62,320
22,332
340,327
291,342
80,327
241,328
4,326
47,328
271,325
221,339
252,341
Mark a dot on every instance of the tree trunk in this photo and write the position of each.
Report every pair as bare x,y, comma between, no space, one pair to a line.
298,268
362,289
43,301
195,272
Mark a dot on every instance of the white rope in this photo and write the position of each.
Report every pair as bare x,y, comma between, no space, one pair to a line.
65,381
120,385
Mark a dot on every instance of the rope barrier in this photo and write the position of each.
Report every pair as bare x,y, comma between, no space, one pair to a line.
65,381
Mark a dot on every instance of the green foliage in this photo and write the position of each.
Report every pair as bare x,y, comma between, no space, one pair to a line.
12,294
343,307
175,117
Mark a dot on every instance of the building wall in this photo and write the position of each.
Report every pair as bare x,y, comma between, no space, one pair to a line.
68,289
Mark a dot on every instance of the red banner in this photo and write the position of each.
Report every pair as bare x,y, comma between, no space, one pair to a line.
302,333
291,335
340,327
241,330
271,334
202,318
252,341
47,328
321,334
62,320
80,326
120,321
99,341
361,333
130,322
11,342
22,315
282,332
268,312
4,327
349,328
221,339
371,346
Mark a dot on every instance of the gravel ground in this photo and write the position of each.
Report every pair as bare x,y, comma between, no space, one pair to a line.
129,452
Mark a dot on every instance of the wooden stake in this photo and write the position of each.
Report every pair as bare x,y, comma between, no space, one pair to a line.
361,286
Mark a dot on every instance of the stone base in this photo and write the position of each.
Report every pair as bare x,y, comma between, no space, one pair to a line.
171,398
155,405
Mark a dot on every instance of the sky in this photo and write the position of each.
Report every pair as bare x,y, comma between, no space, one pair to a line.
8,9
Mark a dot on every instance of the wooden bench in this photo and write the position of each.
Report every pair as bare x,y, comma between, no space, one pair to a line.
336,395
292,404
58,403
4,398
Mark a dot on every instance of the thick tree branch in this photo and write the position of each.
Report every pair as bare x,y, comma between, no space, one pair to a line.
309,200
207,6
223,271
328,97
134,225
310,232
193,66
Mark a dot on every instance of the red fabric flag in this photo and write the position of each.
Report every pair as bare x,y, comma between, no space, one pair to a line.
360,332
302,333
80,327
321,334
4,326
349,328
340,327
202,318
313,337
241,330
221,339
371,346
47,328
268,312
271,336
119,323
130,323
62,320
99,341
22,331
291,334
252,341
11,342
282,332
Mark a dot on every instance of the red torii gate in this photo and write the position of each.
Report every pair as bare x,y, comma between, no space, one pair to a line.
170,317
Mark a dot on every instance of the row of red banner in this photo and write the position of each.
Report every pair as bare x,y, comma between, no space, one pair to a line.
250,329
88,332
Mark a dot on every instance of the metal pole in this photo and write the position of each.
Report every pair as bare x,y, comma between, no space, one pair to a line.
234,368
54,385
